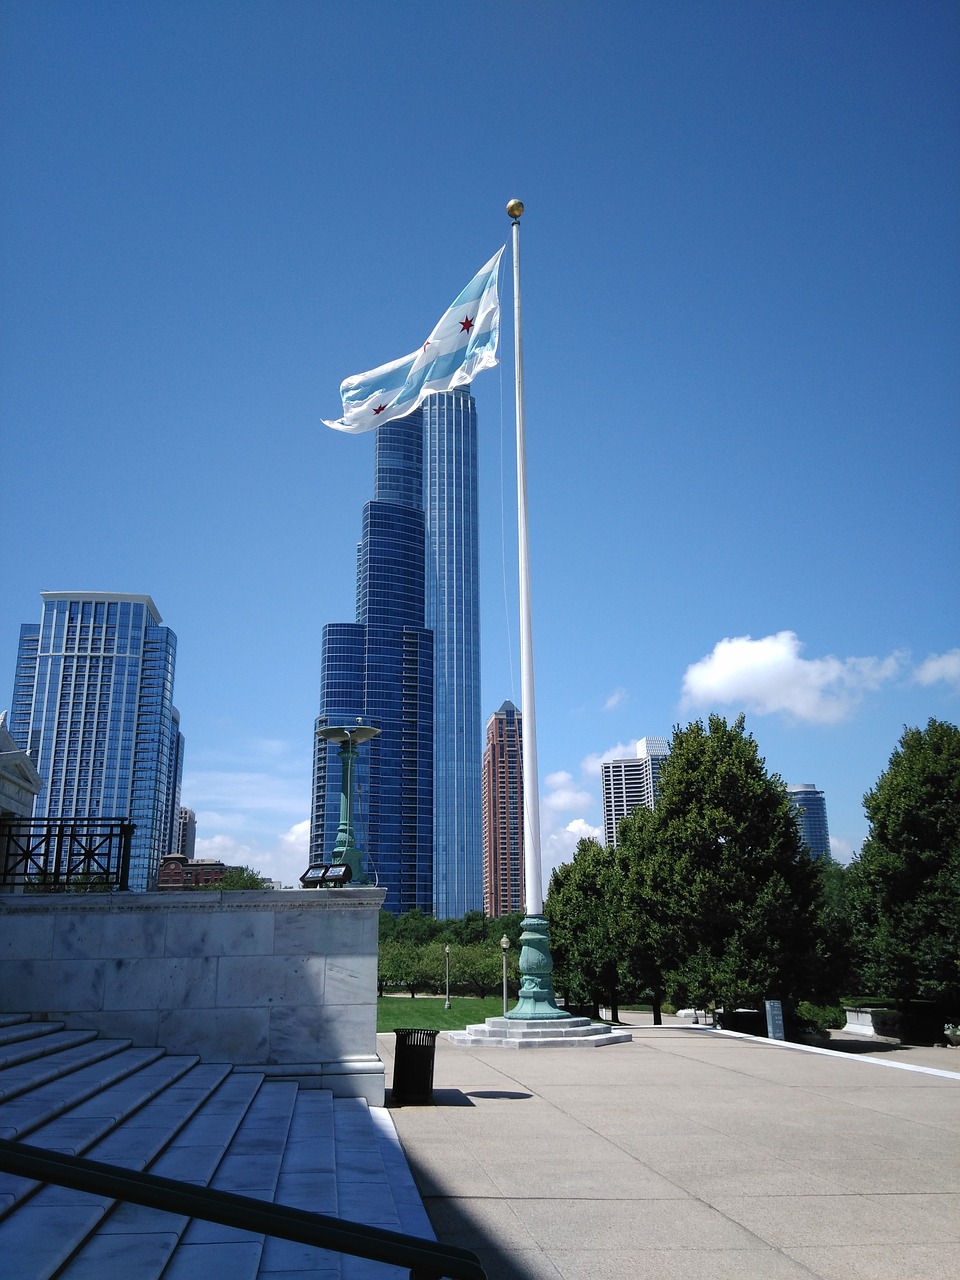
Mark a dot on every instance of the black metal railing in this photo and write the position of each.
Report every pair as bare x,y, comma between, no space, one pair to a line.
65,855
426,1259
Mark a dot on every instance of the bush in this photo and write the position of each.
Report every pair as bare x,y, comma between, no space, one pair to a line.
823,1017
887,1022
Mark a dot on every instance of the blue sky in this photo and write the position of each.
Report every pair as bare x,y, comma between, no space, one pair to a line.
741,259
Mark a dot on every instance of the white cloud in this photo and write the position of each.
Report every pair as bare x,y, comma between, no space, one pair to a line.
769,675
940,666
245,790
615,699
224,848
622,751
564,795
557,845
280,857
841,850
297,839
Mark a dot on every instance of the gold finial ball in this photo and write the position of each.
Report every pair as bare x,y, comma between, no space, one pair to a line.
514,208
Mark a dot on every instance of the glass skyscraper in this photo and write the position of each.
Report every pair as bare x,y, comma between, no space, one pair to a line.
93,706
811,809
380,670
410,666
450,487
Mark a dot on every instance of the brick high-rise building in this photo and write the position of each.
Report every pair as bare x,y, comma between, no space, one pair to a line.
502,790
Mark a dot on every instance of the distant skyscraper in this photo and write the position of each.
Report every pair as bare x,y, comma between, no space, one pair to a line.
410,666
450,504
379,669
503,884
809,806
627,784
93,706
186,845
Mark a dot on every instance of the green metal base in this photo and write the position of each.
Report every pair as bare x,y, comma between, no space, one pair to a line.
537,1000
354,860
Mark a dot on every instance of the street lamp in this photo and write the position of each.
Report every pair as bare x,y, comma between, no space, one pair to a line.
345,853
446,956
504,947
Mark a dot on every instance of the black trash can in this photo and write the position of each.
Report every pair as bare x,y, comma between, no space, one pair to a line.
413,1066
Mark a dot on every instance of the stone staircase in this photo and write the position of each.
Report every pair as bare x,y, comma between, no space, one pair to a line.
144,1109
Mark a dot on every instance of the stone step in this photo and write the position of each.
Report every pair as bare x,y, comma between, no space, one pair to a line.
80,1130
99,1238
11,1019
308,1180
251,1167
20,1116
565,1033
59,1055
19,1032
410,1211
200,1123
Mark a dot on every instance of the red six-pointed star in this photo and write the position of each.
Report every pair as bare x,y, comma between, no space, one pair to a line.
466,324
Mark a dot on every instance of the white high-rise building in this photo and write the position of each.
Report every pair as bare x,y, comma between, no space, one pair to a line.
628,784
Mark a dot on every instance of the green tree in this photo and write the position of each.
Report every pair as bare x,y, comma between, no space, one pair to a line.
240,878
728,897
642,915
583,908
416,927
469,930
906,881
477,970
406,965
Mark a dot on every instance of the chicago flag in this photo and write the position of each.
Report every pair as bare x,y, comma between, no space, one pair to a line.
463,342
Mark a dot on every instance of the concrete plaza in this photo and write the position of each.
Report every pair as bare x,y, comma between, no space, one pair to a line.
690,1153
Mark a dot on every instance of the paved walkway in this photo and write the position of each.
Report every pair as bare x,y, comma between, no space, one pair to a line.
690,1154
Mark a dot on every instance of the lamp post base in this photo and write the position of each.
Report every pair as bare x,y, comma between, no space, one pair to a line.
537,1000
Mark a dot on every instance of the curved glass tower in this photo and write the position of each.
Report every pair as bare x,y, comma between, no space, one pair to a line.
380,670
410,666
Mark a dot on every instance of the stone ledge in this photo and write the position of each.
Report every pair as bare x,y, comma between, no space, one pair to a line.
201,900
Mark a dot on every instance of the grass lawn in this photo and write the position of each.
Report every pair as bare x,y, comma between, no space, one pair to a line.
428,1011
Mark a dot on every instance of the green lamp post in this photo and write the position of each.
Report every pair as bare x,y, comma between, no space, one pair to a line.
345,852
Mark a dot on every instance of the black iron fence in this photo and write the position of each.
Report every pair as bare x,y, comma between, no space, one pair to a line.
65,855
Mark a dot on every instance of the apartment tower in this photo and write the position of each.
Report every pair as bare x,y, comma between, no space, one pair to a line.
503,882
626,784
93,707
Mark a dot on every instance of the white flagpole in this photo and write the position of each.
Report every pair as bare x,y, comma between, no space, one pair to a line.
536,999
533,893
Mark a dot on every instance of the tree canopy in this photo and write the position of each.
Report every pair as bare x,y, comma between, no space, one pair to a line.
240,878
583,907
726,897
906,882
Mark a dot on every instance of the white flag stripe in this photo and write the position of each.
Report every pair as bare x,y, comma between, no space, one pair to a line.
463,342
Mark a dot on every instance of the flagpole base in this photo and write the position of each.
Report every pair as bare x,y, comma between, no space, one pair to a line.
537,1000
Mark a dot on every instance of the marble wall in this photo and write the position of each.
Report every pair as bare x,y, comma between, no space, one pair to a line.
282,982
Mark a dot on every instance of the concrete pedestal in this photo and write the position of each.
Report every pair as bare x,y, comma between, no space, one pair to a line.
514,1033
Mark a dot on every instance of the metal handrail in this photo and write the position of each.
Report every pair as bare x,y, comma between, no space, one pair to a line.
56,854
426,1259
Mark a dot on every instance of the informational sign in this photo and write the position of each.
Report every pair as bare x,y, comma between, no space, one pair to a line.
774,1019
